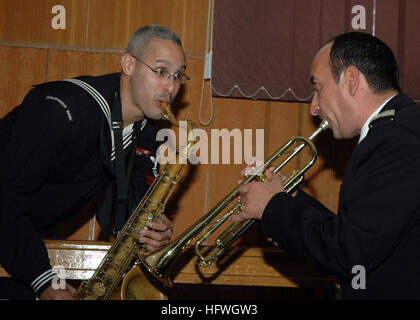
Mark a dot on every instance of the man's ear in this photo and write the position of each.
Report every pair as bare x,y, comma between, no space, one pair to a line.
351,77
128,64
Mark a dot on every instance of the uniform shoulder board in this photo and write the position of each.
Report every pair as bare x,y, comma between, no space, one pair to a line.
384,117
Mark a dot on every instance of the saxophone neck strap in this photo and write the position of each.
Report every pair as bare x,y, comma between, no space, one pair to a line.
122,175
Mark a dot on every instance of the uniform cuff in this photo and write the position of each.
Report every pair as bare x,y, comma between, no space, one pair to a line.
43,281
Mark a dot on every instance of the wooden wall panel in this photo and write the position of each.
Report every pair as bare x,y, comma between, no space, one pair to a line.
67,64
195,26
102,24
20,68
30,21
110,23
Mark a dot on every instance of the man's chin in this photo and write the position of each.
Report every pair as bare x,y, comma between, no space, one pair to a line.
155,116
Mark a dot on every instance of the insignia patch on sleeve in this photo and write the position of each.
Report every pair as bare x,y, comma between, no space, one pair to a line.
63,105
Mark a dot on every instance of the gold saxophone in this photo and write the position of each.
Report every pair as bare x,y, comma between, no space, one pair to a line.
122,255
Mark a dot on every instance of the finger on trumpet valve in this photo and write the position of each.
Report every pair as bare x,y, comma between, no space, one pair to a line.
239,205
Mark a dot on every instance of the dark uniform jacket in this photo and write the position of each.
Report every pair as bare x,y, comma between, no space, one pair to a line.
377,228
56,154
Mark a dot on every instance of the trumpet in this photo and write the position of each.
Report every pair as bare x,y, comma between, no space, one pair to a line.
159,264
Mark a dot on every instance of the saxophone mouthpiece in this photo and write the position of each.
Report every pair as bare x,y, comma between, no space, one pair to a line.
166,110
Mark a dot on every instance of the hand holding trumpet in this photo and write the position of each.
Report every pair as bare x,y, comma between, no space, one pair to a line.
254,196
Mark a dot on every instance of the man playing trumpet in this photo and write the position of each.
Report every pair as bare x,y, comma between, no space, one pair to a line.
355,78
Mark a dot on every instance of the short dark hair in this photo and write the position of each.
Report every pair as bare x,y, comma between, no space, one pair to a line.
141,38
370,55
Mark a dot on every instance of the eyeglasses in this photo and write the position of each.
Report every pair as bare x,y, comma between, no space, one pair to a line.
162,74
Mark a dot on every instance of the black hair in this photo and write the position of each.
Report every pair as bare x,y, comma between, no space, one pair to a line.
370,55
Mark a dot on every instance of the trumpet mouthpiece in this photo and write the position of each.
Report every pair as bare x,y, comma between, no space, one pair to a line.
324,125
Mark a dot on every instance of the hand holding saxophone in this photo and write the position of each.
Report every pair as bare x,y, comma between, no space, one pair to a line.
157,234
52,293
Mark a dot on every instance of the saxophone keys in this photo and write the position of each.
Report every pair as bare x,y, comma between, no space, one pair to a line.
99,289
111,274
119,258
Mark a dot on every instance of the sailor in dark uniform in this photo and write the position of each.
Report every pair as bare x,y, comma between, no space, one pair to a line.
61,146
377,228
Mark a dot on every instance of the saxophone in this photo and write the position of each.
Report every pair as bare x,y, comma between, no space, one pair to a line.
122,255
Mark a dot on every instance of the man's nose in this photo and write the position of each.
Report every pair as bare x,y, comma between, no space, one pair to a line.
170,84
315,105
